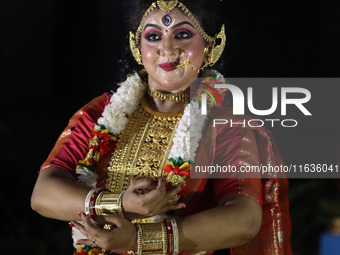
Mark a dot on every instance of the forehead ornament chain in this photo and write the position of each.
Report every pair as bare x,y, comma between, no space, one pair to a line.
167,7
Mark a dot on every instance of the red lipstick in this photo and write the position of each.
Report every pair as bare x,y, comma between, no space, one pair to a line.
168,66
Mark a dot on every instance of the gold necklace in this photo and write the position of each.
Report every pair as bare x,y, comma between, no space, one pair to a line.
142,147
177,97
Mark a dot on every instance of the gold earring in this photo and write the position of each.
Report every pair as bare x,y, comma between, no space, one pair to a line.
213,52
207,51
134,49
216,50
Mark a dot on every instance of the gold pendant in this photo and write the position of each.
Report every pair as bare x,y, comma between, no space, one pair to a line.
167,6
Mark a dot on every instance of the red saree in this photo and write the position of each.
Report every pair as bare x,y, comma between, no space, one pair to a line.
238,146
232,146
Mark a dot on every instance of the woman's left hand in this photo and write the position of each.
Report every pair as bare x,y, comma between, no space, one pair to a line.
121,237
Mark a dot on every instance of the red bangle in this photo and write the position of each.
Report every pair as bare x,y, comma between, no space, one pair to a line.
170,241
93,201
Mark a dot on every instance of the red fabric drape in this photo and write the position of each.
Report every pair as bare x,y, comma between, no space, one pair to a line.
226,145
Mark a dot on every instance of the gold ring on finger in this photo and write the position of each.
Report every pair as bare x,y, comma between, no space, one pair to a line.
173,200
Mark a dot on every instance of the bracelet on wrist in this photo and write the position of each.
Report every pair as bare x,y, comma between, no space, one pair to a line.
157,238
108,203
170,236
103,202
139,240
175,236
89,200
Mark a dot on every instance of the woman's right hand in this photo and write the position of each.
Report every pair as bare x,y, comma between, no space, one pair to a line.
138,204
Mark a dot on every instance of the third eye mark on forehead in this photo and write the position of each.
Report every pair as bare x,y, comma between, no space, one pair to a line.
172,28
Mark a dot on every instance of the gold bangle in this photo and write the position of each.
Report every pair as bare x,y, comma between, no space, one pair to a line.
108,203
165,239
120,205
139,240
153,239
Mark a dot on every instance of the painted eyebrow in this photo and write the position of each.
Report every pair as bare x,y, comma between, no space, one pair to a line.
182,23
152,25
172,28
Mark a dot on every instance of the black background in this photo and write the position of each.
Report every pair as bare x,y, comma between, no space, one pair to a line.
58,55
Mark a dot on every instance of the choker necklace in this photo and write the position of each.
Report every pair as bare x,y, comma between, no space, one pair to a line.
177,97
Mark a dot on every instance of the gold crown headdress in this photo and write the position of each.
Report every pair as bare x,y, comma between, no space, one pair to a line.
213,50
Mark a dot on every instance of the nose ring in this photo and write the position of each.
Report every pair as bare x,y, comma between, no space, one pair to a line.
185,62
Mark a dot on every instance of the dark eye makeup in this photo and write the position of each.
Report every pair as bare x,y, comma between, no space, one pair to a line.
183,34
180,32
153,37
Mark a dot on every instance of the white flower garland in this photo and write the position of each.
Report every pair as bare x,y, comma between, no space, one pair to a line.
123,103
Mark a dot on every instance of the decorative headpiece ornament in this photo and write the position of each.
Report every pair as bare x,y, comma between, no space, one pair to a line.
213,50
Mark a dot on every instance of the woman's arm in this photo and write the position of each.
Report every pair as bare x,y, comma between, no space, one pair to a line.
234,223
57,195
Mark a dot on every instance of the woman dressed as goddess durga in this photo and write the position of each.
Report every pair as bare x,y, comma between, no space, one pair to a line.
120,171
